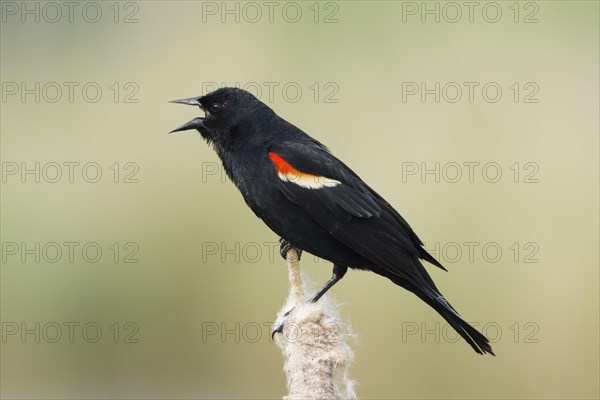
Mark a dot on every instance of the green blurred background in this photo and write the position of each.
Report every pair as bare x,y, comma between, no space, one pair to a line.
173,209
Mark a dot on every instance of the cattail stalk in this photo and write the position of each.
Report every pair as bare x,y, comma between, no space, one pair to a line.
314,344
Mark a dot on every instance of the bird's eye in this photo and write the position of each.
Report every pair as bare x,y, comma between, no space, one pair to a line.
215,107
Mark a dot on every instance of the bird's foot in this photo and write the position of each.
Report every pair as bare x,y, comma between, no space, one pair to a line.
279,328
285,246
288,312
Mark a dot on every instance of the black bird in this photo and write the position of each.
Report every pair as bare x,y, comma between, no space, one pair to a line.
314,202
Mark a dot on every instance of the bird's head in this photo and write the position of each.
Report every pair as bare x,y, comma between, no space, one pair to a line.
225,110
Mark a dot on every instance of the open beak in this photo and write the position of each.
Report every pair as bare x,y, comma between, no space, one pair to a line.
192,101
196,123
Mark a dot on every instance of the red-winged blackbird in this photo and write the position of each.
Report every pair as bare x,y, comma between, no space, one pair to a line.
314,201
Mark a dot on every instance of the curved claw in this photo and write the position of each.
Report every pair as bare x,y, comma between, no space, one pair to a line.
285,246
279,328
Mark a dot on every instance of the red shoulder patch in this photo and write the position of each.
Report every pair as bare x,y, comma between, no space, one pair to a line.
282,166
288,173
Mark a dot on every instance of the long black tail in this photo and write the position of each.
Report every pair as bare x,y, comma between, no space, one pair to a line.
478,342
429,293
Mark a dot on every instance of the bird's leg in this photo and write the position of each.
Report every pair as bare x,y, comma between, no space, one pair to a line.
338,273
285,246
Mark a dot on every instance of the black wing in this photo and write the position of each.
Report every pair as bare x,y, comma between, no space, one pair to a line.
353,212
